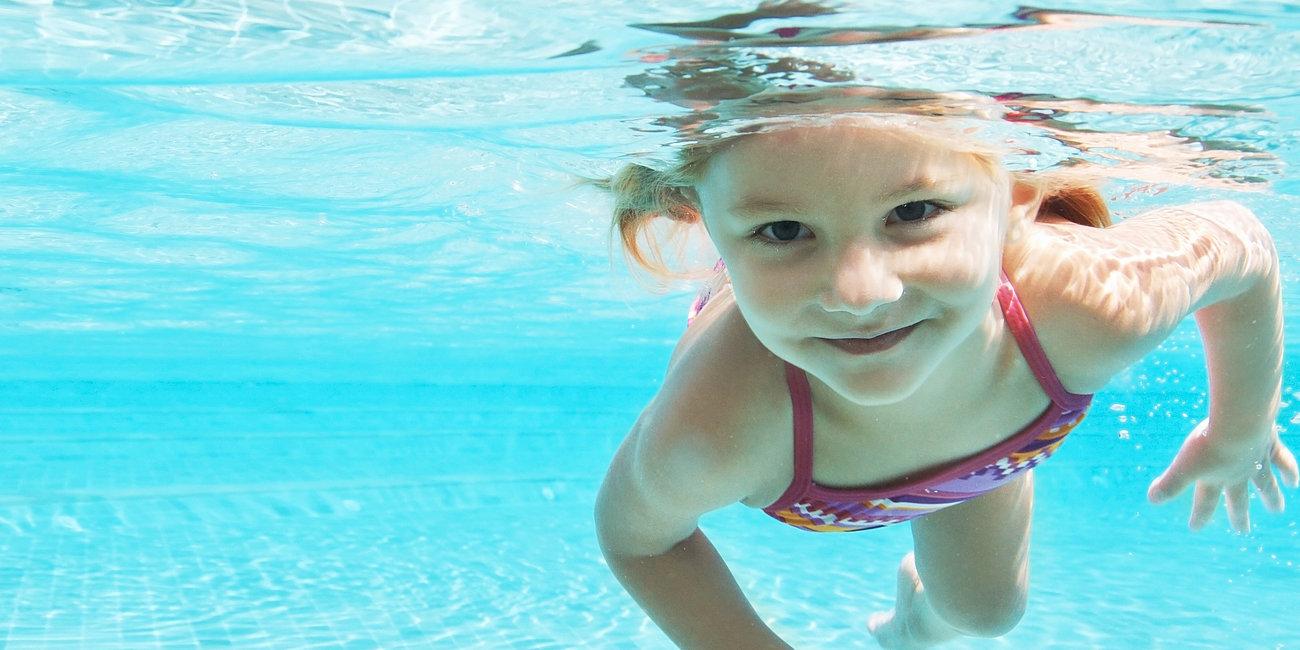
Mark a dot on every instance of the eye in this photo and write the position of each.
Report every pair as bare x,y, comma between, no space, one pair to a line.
916,211
780,231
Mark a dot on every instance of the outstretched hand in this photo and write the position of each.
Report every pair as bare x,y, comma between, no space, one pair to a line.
1217,467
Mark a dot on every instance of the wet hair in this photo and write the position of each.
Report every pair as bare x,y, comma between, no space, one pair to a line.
643,195
722,77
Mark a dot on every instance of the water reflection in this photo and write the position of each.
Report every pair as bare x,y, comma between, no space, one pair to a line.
726,29
725,83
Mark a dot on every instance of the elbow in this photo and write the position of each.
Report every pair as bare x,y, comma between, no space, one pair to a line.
619,533
605,527
1240,255
1260,251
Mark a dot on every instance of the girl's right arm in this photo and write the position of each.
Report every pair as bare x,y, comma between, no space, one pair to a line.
663,477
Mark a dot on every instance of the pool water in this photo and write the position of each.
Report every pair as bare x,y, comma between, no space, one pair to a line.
309,340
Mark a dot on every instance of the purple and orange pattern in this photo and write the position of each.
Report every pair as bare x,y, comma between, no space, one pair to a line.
854,514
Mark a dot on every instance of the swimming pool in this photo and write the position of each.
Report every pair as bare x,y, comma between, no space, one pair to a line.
310,342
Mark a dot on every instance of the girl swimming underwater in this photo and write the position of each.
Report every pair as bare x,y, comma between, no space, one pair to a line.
900,330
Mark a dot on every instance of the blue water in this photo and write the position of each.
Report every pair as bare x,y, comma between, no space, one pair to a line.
308,340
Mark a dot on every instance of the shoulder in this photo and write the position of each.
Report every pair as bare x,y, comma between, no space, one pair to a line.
705,441
721,399
1101,298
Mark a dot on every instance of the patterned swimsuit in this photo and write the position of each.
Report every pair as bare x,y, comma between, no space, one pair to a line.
810,506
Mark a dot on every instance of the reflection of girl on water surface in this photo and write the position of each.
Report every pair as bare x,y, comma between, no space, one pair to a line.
900,328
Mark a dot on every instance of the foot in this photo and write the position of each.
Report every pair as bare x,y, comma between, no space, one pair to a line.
911,623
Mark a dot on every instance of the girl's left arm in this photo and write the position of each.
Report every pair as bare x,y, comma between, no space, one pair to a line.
1238,444
1123,290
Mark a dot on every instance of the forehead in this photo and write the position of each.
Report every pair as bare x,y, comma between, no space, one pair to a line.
837,153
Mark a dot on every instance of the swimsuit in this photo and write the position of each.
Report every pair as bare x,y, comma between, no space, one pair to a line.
810,506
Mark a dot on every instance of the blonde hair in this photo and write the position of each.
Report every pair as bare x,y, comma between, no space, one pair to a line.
643,194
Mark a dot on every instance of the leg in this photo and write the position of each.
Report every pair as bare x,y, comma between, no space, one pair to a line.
970,574
912,622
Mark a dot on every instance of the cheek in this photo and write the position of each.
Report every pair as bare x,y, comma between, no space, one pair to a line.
962,257
763,294
753,294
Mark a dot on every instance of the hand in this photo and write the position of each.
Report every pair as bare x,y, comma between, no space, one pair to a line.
1220,467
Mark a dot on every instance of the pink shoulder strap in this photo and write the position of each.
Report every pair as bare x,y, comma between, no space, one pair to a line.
1032,349
801,402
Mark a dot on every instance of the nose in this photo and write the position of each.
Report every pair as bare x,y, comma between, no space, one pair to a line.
862,279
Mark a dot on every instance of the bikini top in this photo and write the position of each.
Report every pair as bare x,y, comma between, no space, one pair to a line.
810,506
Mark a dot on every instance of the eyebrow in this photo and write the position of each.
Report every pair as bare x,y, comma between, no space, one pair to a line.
762,206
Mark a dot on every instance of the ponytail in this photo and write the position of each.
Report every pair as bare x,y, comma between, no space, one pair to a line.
642,194
1081,204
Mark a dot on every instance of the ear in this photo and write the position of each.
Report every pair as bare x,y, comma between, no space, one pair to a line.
1026,199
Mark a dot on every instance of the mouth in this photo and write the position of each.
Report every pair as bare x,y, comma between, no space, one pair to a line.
874,344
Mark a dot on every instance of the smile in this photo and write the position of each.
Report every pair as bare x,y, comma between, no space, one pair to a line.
874,344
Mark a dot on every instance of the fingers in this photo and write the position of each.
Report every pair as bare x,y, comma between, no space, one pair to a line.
1203,503
1167,486
1269,492
1285,463
1238,503
1184,471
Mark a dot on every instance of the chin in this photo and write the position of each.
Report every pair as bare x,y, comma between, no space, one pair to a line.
877,388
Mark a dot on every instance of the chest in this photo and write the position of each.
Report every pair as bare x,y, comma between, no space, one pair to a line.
863,452
858,455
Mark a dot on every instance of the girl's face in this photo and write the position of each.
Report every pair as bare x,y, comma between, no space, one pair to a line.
859,254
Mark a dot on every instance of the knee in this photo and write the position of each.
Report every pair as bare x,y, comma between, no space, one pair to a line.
982,613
